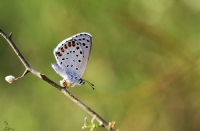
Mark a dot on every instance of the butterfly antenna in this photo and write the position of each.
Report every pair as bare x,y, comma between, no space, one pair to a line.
89,83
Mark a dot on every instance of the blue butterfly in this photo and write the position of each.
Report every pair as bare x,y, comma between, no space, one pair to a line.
72,55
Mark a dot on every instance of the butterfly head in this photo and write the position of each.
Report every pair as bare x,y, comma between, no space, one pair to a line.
81,82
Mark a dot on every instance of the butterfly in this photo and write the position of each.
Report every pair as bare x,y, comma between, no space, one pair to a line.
72,55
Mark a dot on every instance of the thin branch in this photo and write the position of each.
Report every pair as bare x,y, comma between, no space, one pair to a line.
105,124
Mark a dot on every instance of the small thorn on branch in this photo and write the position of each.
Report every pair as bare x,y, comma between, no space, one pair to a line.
10,35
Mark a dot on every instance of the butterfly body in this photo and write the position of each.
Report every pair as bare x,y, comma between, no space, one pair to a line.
72,55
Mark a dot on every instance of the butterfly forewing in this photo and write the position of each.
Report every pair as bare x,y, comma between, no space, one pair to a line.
86,44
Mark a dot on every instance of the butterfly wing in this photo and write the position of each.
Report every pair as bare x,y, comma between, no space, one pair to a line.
69,57
85,40
72,55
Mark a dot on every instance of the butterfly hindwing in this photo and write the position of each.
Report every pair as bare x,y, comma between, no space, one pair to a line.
67,55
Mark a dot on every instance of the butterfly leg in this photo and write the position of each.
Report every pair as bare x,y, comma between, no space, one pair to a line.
64,83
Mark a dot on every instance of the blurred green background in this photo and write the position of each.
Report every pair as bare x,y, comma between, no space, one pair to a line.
144,64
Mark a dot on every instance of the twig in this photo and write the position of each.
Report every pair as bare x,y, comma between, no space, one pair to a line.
102,122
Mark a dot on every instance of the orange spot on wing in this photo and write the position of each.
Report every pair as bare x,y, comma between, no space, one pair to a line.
58,53
73,43
69,44
62,50
65,46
